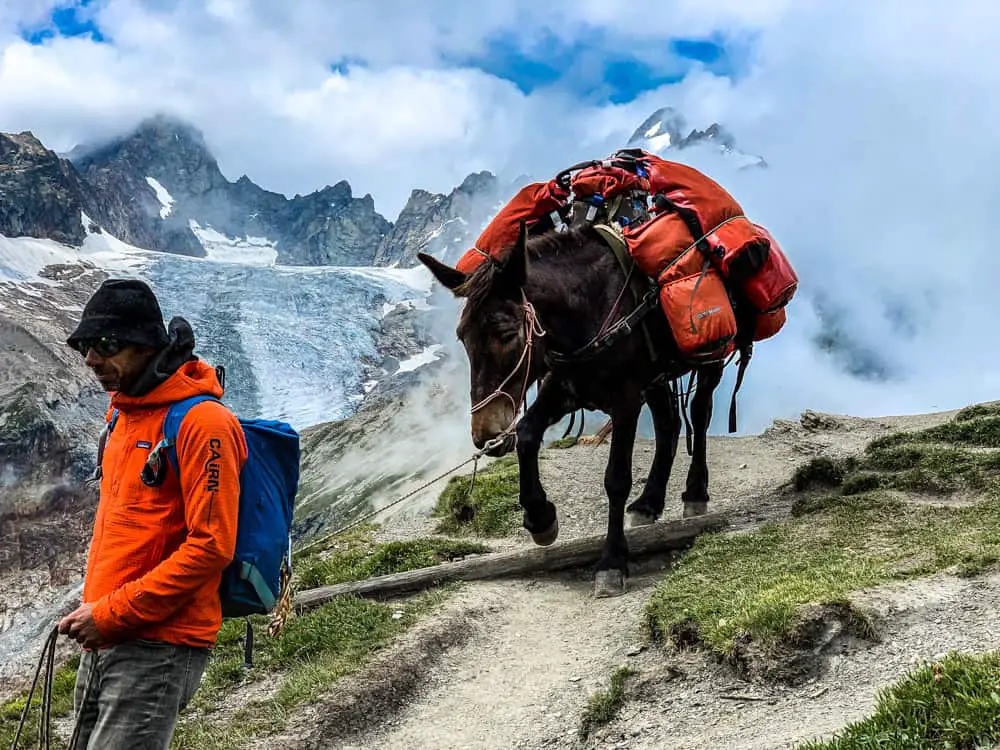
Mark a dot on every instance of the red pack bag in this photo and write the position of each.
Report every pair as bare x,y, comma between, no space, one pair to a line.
606,181
768,324
656,243
773,286
531,203
739,248
696,303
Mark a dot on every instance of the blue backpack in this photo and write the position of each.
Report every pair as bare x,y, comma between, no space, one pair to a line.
251,584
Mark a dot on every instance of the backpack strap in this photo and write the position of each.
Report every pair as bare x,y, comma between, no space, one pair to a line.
102,441
172,425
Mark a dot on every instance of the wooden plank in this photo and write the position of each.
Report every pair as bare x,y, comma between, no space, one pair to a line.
642,540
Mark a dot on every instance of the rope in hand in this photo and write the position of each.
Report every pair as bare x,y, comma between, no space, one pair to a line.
47,662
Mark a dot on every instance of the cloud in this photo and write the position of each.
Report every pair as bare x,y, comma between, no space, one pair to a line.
876,119
422,105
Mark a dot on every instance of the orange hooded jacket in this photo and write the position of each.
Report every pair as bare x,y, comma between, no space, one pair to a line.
157,553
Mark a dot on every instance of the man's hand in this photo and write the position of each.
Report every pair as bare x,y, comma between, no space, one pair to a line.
80,626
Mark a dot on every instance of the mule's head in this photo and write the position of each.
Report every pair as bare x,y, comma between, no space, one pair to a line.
492,328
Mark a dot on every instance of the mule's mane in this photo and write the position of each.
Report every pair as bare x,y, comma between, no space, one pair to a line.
479,285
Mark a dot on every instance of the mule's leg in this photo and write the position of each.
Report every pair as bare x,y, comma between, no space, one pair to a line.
550,405
648,507
612,568
695,496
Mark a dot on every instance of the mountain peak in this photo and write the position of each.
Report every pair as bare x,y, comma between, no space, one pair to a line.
667,130
662,129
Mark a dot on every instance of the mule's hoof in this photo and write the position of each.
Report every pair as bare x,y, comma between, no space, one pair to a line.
609,583
640,518
547,537
695,509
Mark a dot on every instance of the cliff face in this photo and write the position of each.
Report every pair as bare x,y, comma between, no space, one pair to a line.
41,195
162,184
443,225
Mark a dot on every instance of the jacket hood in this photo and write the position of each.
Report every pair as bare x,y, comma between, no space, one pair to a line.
175,373
193,378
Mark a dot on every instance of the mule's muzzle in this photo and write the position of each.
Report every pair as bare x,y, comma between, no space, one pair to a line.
498,446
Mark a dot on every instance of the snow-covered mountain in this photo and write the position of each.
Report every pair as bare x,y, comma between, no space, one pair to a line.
298,343
666,130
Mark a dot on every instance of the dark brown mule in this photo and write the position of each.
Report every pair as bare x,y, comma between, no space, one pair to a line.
529,318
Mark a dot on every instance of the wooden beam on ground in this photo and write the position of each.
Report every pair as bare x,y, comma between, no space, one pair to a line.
642,540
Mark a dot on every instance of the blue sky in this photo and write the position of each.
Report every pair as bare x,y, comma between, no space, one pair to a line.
68,20
595,65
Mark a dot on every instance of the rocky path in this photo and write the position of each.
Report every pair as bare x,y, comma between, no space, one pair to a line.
519,671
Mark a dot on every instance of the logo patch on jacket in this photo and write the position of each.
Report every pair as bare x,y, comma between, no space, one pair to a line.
143,444
212,465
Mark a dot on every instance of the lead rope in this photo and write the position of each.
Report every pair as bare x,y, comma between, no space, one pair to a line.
47,662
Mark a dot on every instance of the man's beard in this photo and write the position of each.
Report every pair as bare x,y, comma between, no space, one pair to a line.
109,381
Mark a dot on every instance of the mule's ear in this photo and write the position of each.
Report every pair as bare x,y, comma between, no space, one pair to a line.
515,267
450,278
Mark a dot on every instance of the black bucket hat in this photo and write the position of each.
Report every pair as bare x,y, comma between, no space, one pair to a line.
122,309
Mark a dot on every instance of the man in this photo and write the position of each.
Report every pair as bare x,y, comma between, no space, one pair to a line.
151,610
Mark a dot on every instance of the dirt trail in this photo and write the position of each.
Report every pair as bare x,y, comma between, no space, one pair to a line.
522,677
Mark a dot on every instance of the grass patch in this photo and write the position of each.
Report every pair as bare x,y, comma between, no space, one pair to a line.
63,684
315,650
561,443
757,587
491,510
956,455
360,562
950,705
604,705
754,585
819,472
978,410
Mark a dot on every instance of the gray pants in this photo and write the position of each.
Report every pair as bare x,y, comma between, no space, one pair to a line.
135,693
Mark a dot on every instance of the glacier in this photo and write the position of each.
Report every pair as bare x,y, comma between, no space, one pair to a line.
297,343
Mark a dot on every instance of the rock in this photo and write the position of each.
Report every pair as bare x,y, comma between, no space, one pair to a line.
443,225
41,195
327,227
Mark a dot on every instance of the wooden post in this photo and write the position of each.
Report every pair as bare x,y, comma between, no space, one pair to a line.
574,553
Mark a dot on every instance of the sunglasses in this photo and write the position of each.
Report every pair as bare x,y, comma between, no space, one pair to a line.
104,346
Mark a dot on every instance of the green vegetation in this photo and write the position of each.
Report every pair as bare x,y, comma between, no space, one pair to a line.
492,510
392,557
63,683
604,705
754,585
566,442
950,705
313,651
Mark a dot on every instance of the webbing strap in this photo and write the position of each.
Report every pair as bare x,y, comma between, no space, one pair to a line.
745,354
616,241
249,572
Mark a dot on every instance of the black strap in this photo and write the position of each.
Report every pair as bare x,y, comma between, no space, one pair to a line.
620,329
745,353
248,647
684,402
